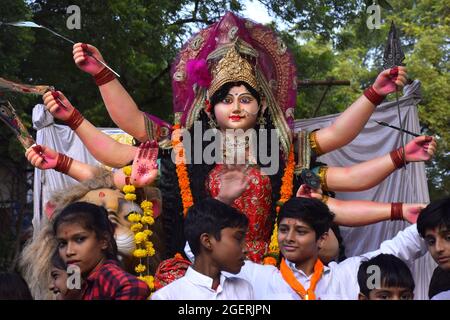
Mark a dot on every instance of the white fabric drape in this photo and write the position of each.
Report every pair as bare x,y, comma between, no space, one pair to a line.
408,185
62,139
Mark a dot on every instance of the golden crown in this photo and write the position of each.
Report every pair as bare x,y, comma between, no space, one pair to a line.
232,68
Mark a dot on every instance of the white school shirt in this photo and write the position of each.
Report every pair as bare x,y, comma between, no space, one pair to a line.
197,286
339,281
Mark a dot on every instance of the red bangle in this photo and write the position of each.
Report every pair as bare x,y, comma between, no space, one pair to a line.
75,119
397,158
104,77
374,97
63,163
396,211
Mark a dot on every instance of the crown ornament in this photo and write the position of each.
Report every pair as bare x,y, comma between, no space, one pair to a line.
232,68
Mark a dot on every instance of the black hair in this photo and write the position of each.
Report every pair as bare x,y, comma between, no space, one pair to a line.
394,273
57,262
210,216
310,211
440,281
93,218
436,214
198,174
337,233
13,287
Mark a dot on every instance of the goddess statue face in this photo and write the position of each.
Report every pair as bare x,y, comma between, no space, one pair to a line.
238,110
118,210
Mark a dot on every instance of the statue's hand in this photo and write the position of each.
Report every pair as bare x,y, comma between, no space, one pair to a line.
145,168
58,105
84,61
42,157
420,149
389,80
307,192
233,182
411,211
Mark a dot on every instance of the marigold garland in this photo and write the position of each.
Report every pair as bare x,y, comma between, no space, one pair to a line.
140,228
286,191
182,173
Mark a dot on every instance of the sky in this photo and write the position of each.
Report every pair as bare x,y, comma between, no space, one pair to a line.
256,11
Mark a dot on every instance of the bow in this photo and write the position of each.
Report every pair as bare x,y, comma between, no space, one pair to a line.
393,57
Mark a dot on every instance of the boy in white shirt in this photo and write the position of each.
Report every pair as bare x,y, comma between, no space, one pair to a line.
302,229
216,235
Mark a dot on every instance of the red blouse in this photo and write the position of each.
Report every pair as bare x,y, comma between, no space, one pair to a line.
255,203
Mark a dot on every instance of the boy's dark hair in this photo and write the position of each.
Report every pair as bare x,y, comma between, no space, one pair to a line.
440,281
310,211
210,216
436,214
394,273
337,232
90,217
13,287
57,262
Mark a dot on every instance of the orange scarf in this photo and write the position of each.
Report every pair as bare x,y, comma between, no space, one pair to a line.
289,277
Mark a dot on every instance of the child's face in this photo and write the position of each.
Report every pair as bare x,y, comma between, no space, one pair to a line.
438,242
389,293
80,246
58,284
229,252
297,240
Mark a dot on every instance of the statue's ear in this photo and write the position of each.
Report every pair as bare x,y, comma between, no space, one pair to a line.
49,209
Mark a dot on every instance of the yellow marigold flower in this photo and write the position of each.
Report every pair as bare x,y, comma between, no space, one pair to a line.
146,205
140,237
148,232
139,268
148,244
150,251
130,197
273,246
128,188
147,220
134,217
136,227
140,253
148,212
149,280
127,170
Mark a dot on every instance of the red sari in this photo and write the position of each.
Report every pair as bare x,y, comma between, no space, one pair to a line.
255,203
